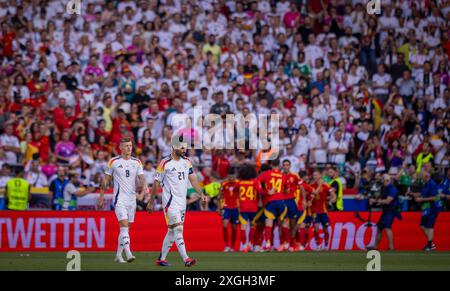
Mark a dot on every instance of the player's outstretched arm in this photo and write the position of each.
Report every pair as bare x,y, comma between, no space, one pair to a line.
197,188
104,186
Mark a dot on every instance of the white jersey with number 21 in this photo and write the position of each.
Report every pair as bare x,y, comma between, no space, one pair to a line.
173,177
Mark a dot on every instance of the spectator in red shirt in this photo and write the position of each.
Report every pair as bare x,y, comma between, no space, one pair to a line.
221,164
120,120
65,121
7,40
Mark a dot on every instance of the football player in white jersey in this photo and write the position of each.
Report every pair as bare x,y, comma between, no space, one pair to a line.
172,174
128,178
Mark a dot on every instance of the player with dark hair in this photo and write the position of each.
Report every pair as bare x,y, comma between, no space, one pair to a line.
173,174
260,218
320,207
229,208
304,199
246,188
272,183
289,224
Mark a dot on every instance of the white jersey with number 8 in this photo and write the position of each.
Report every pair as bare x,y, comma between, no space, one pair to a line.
124,173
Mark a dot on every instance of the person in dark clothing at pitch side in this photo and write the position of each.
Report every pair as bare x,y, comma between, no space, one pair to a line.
444,190
431,204
389,203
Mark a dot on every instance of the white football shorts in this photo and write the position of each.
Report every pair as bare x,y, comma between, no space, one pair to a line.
125,211
174,216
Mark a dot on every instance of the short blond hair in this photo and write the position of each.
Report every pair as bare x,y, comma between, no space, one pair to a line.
125,139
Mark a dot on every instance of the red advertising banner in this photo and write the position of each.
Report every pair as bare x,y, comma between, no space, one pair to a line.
98,231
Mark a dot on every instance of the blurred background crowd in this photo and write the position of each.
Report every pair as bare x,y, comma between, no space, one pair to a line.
366,93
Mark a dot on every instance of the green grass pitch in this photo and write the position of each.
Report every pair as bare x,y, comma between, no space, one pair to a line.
214,261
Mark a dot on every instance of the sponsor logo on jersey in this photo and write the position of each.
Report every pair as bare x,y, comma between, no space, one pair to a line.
173,170
120,166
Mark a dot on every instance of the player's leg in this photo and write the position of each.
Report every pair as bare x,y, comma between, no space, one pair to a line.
305,226
292,216
123,223
270,217
168,241
293,233
300,230
225,222
252,231
325,221
302,237
316,231
120,248
179,239
243,219
234,228
284,235
122,213
166,246
316,236
282,214
131,211
259,232
125,240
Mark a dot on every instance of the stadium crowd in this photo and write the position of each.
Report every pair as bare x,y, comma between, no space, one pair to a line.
368,94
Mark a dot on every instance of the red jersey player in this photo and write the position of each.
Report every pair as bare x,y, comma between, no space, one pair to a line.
272,183
320,208
304,199
246,188
289,225
229,203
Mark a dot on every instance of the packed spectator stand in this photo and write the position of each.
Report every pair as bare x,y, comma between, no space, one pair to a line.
368,94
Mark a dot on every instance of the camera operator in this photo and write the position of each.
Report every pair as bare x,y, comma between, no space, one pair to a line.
388,200
375,188
364,185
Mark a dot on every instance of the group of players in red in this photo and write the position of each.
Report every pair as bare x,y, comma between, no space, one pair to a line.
274,197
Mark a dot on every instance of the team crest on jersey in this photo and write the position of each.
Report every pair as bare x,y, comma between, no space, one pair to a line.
120,166
174,170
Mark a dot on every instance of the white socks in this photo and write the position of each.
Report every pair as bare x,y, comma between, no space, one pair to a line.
119,246
167,244
178,231
124,242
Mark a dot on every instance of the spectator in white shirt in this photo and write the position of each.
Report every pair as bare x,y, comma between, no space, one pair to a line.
337,149
10,144
381,82
35,176
319,142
